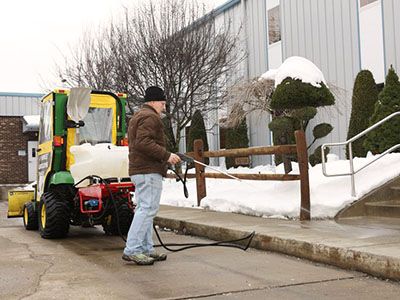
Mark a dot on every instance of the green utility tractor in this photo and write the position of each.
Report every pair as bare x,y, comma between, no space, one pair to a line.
69,118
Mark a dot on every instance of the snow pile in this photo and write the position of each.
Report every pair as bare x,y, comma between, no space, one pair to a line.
281,199
298,68
32,120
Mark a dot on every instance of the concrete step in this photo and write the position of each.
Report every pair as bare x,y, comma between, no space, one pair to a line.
388,197
388,209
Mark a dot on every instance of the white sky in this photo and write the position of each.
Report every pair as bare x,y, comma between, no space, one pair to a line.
36,34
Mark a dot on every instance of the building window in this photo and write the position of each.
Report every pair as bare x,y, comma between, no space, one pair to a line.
274,26
366,2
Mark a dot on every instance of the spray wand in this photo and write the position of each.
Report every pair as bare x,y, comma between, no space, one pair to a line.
187,158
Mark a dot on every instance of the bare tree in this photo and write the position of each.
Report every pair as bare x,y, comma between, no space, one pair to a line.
90,63
169,43
246,97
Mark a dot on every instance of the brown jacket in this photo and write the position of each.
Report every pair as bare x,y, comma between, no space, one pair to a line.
147,153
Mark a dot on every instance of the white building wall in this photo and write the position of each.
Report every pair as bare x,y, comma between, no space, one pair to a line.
326,32
232,19
257,44
337,35
391,33
371,40
19,104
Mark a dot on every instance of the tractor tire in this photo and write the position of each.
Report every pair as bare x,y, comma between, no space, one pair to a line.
31,218
125,216
54,216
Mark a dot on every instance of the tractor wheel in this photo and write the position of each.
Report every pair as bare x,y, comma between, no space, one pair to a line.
125,216
31,221
54,215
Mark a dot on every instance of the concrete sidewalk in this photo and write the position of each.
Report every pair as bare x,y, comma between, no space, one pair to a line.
366,245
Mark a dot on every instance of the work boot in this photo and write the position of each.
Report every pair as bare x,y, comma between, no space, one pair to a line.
157,256
139,259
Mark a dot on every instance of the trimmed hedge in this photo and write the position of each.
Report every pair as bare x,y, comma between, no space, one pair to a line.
197,131
388,134
365,95
236,138
293,93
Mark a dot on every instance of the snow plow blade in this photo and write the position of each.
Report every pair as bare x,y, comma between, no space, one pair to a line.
16,201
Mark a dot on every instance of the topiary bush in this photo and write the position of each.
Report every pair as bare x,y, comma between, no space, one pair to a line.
197,131
388,134
236,137
293,93
365,95
316,157
296,102
283,129
322,130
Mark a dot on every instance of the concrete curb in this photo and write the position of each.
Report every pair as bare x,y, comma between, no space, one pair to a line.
377,265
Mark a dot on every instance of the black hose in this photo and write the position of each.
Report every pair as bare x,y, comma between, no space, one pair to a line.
198,245
185,190
229,243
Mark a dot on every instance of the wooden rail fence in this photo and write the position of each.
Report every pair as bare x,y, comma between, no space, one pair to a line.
300,148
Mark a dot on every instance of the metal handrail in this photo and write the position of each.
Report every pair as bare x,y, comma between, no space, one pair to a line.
352,171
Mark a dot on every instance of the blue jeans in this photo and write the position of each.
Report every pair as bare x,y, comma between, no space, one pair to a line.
148,189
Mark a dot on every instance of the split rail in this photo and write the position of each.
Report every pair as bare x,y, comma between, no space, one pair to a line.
300,148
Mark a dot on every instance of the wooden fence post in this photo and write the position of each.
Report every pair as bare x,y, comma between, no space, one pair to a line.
200,180
302,157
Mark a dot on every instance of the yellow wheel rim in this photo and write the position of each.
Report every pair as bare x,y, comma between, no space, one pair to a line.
108,220
43,213
26,216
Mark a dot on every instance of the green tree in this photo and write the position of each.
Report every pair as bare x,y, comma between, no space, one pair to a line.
294,103
388,134
293,93
365,95
236,137
197,131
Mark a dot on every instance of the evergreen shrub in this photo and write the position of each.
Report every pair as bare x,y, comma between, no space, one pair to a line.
293,93
236,137
365,96
197,131
388,134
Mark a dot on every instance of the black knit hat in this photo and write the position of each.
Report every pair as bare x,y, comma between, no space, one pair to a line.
154,93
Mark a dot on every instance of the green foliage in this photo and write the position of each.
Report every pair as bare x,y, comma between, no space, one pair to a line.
304,114
283,129
299,101
365,95
316,157
281,125
236,137
293,93
197,131
322,130
388,134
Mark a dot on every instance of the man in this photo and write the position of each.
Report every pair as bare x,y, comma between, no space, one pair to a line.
148,161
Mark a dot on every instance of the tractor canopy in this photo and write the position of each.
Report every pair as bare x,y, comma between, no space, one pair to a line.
99,118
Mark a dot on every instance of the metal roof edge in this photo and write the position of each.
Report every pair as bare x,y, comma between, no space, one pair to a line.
222,8
35,95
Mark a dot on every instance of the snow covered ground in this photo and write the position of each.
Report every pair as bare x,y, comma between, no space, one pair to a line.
280,199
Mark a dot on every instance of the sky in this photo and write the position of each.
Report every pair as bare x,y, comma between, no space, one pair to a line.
281,199
35,35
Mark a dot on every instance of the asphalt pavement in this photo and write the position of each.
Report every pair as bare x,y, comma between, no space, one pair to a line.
363,244
87,264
